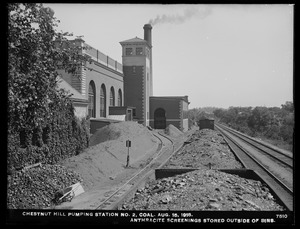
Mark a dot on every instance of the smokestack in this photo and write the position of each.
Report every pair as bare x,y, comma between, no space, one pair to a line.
147,33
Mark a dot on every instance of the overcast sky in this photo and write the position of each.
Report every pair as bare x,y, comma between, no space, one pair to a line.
218,55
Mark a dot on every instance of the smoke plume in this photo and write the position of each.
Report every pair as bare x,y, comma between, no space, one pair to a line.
177,19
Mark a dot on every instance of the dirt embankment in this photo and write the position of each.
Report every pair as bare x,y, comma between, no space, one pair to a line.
173,132
107,155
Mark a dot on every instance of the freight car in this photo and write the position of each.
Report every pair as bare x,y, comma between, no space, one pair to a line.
206,123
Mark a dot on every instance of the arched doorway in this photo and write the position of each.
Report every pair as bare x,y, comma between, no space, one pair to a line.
159,118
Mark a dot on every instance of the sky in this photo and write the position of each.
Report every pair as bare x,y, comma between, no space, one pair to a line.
220,55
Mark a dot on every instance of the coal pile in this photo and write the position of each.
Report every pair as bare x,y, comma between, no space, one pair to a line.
203,190
107,155
205,149
120,131
173,131
35,188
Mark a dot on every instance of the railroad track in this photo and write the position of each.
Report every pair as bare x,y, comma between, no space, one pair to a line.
274,167
164,147
278,155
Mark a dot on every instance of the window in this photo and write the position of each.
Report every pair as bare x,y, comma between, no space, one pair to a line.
133,69
128,52
92,100
102,101
139,51
112,97
134,112
120,98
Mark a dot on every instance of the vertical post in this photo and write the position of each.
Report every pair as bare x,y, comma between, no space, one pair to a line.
127,163
128,145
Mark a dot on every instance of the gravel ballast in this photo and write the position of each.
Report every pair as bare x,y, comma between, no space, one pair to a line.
207,188
205,149
204,190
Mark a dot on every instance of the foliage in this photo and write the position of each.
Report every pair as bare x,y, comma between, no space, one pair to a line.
41,122
274,123
197,113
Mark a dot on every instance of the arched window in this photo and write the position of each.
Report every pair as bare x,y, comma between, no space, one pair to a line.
119,98
102,101
112,97
92,96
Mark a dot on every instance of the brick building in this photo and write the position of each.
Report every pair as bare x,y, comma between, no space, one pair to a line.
165,110
108,91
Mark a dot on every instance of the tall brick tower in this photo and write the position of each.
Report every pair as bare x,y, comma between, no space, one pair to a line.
137,70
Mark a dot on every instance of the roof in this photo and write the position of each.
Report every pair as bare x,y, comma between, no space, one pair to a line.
185,98
117,117
134,40
102,119
75,95
206,118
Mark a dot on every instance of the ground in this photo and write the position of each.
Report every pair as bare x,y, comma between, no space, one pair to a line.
101,169
206,188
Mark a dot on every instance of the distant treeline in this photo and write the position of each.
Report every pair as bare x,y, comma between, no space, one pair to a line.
271,123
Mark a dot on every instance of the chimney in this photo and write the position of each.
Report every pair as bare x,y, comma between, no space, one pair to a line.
147,33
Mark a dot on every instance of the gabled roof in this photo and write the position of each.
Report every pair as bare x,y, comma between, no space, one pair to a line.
74,93
134,40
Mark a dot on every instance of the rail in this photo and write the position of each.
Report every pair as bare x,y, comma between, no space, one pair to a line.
282,190
120,190
280,151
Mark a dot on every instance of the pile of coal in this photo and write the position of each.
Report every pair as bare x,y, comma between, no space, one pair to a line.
121,131
35,188
205,149
204,190
173,131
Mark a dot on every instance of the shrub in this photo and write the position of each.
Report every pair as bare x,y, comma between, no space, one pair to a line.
62,136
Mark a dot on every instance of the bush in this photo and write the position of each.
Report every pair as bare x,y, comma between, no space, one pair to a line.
62,136
42,126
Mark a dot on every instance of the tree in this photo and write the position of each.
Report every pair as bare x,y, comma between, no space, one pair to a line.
219,112
260,118
42,125
34,54
288,106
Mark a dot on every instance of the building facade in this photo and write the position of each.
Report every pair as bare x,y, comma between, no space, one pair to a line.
100,82
166,110
107,90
